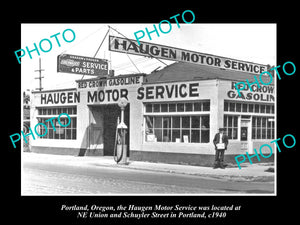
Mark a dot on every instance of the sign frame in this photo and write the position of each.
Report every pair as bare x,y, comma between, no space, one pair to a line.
146,49
82,65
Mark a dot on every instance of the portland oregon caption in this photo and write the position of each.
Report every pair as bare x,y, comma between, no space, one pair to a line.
174,119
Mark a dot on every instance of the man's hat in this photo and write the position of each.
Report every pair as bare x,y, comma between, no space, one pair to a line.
221,128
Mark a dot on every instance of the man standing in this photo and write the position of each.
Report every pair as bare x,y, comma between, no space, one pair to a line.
220,141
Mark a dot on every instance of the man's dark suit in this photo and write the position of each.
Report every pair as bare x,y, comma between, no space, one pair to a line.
219,157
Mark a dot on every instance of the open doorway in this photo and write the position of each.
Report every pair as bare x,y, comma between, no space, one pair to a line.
110,117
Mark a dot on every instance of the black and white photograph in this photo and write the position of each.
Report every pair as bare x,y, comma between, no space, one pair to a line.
145,113
175,108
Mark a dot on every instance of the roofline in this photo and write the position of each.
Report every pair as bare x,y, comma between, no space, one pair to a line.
188,80
54,90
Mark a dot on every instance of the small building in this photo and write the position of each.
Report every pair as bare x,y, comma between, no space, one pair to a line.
172,115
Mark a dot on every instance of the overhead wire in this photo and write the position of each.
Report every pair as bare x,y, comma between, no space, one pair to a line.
135,45
77,43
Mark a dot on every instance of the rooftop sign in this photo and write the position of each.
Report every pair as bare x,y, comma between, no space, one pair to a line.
147,49
81,65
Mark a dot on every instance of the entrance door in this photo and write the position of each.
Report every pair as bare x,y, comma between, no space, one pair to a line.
110,117
244,135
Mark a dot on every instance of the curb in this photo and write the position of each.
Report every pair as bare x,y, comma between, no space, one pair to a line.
250,173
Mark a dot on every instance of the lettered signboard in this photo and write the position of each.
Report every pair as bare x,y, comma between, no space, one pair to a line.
82,65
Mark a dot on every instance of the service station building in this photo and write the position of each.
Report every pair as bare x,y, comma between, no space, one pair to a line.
172,115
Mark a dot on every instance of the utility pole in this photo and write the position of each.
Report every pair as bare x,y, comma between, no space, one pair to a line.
40,74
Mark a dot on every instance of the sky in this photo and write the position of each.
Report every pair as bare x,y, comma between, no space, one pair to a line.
249,42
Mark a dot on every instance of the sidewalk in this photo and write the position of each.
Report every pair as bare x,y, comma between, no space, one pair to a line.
254,172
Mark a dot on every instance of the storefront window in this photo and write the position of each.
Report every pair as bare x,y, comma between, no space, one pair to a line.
58,132
230,106
178,128
178,107
231,126
263,127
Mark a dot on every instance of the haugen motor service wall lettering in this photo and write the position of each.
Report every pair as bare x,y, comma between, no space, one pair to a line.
168,91
60,98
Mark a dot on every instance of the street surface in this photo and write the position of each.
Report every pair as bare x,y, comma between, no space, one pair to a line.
39,178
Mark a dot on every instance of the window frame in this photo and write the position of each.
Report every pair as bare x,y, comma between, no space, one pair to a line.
203,111
60,133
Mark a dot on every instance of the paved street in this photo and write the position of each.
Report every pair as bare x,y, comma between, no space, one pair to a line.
44,177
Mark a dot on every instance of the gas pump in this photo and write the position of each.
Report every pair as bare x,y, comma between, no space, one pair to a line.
120,148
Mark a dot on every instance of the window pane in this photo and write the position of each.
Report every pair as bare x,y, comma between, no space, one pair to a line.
269,134
253,133
204,136
195,136
156,108
185,122
195,122
70,111
226,106
149,124
256,108
262,108
264,122
225,121
235,121
263,133
250,107
204,121
68,134
172,107
73,134
158,134
234,133
175,122
164,107
229,133
185,136
167,122
206,106
188,107
238,107
73,122
148,107
268,109
229,121
258,121
197,106
254,122
244,107
166,135
175,135
50,132
272,109
180,107
232,107
258,133
158,122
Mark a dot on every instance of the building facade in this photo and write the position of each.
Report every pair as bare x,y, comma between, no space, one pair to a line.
172,115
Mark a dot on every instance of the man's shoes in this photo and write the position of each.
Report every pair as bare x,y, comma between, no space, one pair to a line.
216,166
222,166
